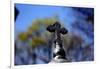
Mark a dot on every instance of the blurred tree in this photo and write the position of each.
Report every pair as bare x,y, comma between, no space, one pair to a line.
23,36
36,37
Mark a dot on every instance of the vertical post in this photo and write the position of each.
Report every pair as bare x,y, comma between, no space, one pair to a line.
58,50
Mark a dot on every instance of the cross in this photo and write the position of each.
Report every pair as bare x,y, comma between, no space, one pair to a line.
57,30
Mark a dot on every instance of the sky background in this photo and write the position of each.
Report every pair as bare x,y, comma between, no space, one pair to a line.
29,13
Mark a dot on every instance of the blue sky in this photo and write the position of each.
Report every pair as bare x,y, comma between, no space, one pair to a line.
28,13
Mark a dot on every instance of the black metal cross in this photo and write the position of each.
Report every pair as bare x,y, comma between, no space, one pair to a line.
57,30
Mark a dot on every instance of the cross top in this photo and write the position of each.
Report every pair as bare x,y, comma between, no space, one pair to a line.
57,30
57,27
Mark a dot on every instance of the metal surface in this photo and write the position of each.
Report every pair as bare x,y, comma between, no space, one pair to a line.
59,55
